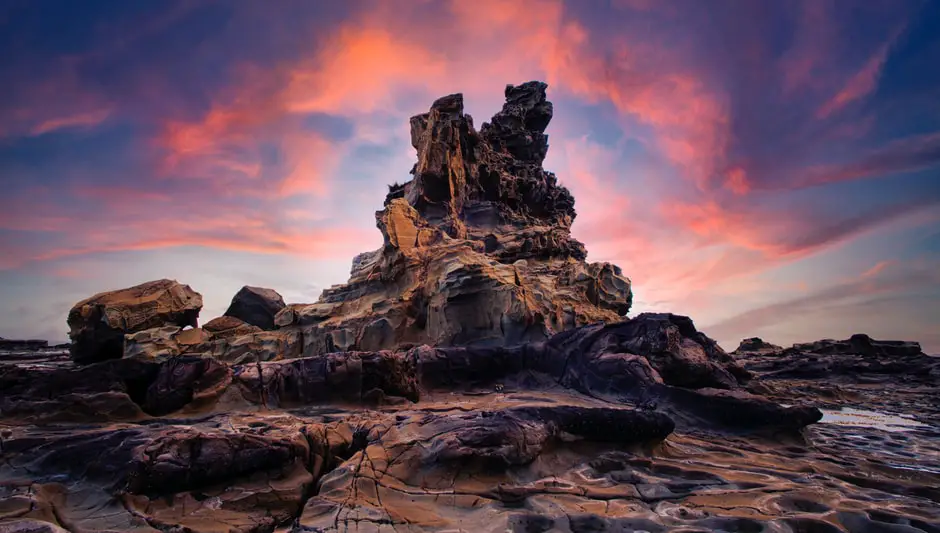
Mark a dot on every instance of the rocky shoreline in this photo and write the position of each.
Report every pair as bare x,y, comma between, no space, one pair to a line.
475,373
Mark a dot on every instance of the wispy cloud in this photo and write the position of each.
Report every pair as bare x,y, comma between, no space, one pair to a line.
81,120
863,82
875,283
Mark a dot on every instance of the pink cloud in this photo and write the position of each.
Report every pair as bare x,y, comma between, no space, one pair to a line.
807,61
374,67
862,83
877,269
80,120
907,154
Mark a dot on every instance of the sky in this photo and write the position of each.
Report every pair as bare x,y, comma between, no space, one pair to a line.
770,169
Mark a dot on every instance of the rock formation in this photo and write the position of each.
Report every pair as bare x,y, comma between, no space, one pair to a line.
98,324
477,246
224,327
23,345
861,344
756,345
894,376
475,374
256,306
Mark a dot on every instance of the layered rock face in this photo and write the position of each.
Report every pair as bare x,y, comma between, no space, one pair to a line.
477,247
98,324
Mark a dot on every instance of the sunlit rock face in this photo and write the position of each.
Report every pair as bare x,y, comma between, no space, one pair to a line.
477,246
97,325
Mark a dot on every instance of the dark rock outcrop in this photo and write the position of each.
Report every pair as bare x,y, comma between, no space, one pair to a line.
477,247
894,376
23,345
651,360
756,345
861,344
98,324
256,306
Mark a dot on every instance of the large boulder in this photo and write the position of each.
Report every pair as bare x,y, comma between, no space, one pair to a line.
256,306
98,324
756,345
477,248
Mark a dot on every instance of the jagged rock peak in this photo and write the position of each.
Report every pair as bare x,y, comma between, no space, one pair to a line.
519,128
477,247
487,185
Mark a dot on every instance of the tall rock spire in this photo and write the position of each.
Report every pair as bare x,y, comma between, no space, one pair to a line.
477,246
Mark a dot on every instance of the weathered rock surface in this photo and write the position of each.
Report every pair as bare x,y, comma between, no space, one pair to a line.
861,344
168,341
894,376
98,324
256,306
638,424
224,327
657,361
488,446
477,247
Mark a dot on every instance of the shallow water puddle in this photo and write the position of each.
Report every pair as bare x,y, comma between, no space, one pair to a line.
869,419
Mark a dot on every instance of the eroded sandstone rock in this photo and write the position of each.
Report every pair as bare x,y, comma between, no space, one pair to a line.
224,327
98,324
477,247
168,341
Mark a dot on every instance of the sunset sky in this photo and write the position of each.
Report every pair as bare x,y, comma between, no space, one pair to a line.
768,168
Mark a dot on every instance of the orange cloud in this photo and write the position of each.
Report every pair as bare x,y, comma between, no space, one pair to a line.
737,182
316,244
358,70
